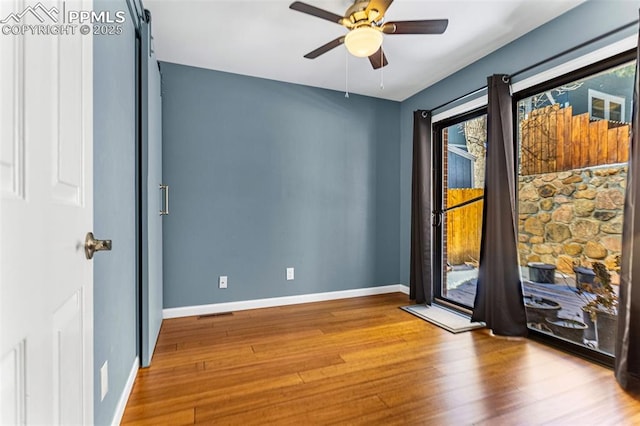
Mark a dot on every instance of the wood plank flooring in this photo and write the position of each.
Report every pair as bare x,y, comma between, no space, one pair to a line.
364,361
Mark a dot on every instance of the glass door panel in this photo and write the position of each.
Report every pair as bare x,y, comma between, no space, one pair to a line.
573,153
460,191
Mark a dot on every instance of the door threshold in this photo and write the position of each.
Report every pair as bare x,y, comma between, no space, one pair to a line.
453,306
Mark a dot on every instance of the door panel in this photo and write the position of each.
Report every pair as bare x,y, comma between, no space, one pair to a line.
11,112
460,150
156,203
153,202
12,373
67,135
570,160
67,356
46,287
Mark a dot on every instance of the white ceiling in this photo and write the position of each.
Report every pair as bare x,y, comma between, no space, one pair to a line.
264,38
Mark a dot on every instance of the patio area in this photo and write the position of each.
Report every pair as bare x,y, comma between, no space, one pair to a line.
462,289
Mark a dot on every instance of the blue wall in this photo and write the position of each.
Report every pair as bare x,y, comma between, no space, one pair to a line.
267,175
580,24
114,210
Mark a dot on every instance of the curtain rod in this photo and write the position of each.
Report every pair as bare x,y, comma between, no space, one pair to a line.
544,61
459,98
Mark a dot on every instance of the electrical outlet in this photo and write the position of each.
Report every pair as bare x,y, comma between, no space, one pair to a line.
104,380
290,274
222,281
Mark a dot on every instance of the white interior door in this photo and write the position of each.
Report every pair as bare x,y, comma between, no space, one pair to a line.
46,287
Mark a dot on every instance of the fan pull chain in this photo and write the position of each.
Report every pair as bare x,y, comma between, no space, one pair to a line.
381,68
346,78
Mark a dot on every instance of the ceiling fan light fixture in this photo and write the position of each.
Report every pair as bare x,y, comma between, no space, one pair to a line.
363,41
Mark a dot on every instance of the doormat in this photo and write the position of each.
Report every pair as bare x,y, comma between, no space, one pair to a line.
443,318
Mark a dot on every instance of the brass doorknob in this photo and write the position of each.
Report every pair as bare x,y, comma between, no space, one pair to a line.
91,245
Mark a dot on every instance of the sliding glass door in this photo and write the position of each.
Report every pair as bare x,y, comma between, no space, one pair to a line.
459,167
573,138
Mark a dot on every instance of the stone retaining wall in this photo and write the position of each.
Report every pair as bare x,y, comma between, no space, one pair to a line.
572,217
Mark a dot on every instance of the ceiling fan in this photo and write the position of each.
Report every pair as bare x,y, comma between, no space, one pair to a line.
365,22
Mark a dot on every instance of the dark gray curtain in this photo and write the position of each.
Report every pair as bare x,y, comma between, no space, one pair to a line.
420,288
499,301
627,364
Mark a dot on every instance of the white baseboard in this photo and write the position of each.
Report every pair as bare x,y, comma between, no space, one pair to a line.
217,308
402,288
124,397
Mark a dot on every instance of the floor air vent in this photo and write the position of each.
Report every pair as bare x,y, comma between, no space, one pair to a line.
220,314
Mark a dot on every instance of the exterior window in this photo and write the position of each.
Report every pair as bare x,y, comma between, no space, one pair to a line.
603,106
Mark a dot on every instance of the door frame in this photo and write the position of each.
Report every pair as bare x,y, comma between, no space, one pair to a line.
438,206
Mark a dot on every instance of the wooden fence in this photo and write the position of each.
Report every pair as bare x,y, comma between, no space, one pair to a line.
554,140
464,226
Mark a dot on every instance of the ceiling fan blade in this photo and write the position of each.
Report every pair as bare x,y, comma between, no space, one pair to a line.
378,59
314,11
428,26
380,5
324,49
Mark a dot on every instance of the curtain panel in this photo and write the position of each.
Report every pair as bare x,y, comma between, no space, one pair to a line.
420,283
627,363
499,302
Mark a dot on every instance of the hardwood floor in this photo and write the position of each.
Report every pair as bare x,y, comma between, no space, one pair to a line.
364,361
